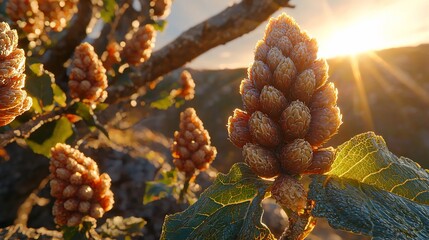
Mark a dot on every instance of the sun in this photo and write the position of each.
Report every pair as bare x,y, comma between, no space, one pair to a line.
362,35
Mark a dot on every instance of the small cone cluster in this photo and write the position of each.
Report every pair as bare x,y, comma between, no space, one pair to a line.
139,47
28,16
191,149
87,80
78,187
290,109
13,99
58,12
112,55
187,91
160,8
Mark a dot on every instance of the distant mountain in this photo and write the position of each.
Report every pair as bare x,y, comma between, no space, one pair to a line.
392,99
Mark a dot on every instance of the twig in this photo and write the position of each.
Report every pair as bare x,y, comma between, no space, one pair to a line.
185,189
229,24
25,209
29,127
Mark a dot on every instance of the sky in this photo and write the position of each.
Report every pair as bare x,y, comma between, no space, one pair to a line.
340,26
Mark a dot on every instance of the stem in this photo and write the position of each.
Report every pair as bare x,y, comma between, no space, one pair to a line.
184,189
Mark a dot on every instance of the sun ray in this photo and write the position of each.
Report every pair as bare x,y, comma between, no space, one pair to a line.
367,116
402,77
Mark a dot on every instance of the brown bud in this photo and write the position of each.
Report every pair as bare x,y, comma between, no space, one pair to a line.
139,47
259,74
289,193
264,130
87,80
296,156
283,75
188,85
238,130
251,100
326,96
274,58
320,69
246,85
28,16
272,101
301,56
324,124
295,120
304,86
261,51
13,100
160,8
112,55
262,161
284,44
58,13
191,149
75,190
322,161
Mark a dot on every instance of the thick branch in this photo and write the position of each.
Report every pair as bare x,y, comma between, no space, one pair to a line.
55,57
228,25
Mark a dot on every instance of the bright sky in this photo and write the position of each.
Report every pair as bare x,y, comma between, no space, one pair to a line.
340,26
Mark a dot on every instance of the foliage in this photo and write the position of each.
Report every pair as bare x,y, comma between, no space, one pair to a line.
369,190
122,228
229,209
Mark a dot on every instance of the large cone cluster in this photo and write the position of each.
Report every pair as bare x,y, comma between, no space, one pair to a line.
191,149
138,47
290,109
78,187
87,80
13,99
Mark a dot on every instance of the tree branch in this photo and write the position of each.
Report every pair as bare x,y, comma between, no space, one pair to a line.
228,25
29,127
55,57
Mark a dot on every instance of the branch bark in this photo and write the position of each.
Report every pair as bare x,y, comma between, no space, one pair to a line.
55,57
228,25
29,127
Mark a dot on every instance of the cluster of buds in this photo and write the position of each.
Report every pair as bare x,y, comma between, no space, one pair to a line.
160,8
28,16
139,45
191,149
290,110
13,99
187,91
58,12
78,187
87,80
112,55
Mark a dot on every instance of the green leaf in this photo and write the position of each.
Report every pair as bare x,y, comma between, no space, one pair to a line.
120,228
88,116
42,140
59,95
161,188
367,159
229,209
108,10
354,206
163,103
82,232
369,190
38,85
159,25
